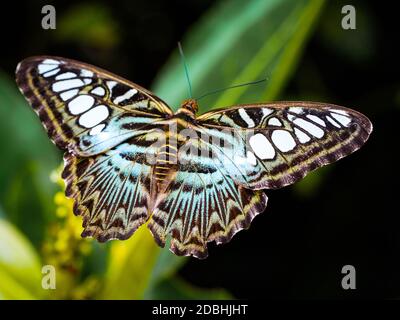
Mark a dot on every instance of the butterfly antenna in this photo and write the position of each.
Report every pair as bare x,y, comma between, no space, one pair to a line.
185,66
231,87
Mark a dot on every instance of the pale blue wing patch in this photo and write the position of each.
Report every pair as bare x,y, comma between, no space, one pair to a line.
203,204
111,190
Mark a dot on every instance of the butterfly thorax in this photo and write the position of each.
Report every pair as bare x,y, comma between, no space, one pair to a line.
188,107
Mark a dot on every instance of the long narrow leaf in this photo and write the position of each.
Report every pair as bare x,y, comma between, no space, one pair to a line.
20,266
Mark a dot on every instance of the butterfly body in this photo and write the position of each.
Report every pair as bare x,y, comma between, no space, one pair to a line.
130,160
165,162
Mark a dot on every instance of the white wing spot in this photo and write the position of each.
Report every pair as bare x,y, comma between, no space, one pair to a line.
340,111
297,110
42,68
51,61
251,158
274,122
68,94
87,81
333,122
67,84
66,75
246,118
341,119
262,147
309,127
80,104
291,117
266,112
111,84
97,129
86,73
283,140
303,138
51,73
94,116
99,91
129,94
316,119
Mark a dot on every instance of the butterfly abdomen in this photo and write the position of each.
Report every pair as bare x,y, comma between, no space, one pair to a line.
166,164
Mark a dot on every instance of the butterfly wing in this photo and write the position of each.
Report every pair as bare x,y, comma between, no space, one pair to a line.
84,109
274,145
238,151
203,204
111,189
104,124
108,126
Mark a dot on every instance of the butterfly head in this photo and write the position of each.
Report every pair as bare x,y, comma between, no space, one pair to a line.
189,107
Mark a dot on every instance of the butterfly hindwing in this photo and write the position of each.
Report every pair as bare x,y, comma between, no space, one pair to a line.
273,145
84,109
203,204
112,189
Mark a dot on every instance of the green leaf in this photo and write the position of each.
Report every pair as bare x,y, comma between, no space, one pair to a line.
130,266
20,266
26,159
165,267
262,38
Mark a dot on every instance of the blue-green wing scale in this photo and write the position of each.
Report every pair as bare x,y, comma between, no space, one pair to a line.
203,204
111,190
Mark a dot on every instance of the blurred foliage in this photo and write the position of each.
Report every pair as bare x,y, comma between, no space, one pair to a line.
88,25
261,38
20,267
26,156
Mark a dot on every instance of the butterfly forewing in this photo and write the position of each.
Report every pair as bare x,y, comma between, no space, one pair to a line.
84,109
273,145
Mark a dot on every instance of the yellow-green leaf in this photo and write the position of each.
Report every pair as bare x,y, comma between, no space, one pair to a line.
20,266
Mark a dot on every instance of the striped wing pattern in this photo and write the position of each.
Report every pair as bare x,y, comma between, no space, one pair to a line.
110,131
111,190
86,110
239,151
101,122
277,144
203,204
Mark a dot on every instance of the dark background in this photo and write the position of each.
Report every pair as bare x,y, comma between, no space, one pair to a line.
297,248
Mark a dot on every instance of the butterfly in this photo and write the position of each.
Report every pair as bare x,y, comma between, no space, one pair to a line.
130,160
